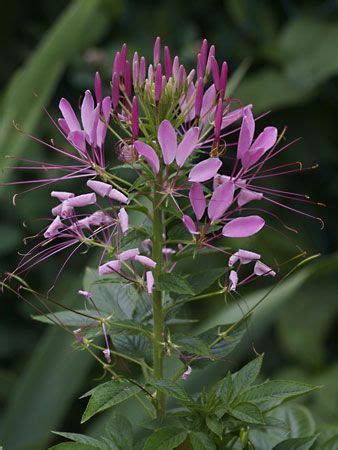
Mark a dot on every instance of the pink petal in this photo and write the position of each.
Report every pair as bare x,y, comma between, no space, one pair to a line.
267,138
150,281
63,125
114,194
262,269
243,226
246,196
66,210
61,195
145,261
99,187
244,256
219,179
53,228
77,139
87,109
247,132
110,267
149,155
128,254
205,170
208,104
82,200
252,156
99,218
102,125
168,141
233,279
124,220
197,199
190,224
221,200
187,146
69,115
231,117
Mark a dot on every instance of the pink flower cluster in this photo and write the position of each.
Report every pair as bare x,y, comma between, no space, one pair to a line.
172,127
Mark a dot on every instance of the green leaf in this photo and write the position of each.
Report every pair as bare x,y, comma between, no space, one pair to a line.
170,282
247,412
298,419
228,341
116,299
192,344
72,446
240,380
201,441
127,327
68,318
107,395
214,425
122,440
273,393
80,438
165,439
201,280
296,443
172,389
330,444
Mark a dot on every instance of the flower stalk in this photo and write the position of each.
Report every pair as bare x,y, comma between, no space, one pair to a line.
157,297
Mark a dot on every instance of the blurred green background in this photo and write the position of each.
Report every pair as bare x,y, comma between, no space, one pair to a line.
289,53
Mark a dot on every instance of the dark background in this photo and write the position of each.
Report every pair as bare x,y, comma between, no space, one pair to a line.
288,53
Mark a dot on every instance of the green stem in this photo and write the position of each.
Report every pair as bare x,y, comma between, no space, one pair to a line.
157,241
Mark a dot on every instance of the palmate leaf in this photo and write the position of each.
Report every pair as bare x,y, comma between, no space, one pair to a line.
273,393
193,345
119,433
166,439
72,446
298,419
107,395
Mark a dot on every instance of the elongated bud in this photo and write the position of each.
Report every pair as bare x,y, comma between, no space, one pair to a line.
98,88
218,119
135,118
211,54
200,71
215,73
123,58
181,78
164,83
158,83
116,64
157,51
115,90
223,79
150,72
204,54
199,97
167,62
191,76
176,66
135,69
127,78
123,220
142,71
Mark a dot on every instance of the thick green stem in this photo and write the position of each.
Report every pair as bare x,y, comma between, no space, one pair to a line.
157,240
